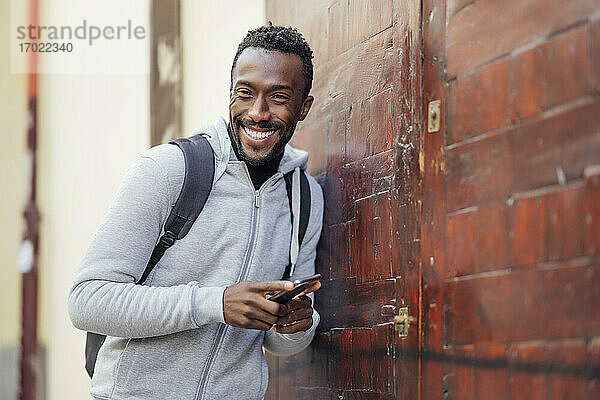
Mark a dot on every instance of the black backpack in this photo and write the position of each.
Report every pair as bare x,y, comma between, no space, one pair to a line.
197,183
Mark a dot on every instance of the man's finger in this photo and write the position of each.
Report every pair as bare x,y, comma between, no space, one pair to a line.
259,325
299,326
296,315
272,286
273,307
298,302
262,316
312,288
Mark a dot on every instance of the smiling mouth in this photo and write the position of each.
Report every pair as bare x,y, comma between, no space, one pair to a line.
258,135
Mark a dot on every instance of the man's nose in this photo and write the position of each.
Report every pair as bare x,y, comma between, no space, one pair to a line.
259,111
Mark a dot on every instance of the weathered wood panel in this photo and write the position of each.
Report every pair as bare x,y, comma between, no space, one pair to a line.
363,135
488,29
488,229
433,213
521,155
547,151
552,303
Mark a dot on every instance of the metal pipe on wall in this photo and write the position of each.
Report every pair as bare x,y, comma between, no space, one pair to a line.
29,247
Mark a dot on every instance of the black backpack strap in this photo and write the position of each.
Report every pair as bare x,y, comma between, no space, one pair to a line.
304,209
93,342
197,183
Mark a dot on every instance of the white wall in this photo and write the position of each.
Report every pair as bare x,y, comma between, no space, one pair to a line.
211,32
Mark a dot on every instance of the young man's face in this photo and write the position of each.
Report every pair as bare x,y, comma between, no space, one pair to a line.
266,102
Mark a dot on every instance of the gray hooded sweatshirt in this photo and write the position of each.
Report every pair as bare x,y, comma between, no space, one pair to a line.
167,338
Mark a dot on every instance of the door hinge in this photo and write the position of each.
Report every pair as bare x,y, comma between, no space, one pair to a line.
402,322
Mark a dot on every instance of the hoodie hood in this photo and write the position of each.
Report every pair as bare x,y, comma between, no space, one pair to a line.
217,136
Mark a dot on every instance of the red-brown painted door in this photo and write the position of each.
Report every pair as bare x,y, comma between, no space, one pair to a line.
487,229
511,195
364,138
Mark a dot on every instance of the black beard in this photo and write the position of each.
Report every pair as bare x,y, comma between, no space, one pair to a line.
236,142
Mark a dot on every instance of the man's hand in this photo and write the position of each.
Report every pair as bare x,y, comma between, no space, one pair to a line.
298,317
245,305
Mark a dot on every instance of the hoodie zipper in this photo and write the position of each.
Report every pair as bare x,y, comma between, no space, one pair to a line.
243,275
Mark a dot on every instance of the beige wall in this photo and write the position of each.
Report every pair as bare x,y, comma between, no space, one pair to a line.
88,139
211,32
91,128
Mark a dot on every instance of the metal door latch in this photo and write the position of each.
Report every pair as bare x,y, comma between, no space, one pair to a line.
434,116
402,322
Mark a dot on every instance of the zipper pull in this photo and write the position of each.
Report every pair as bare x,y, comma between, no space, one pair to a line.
256,194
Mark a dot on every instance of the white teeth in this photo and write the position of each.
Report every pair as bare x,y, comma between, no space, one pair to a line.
256,134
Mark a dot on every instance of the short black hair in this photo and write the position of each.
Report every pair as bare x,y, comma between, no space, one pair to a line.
285,40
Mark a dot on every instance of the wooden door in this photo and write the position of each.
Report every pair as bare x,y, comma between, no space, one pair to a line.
511,200
364,138
487,228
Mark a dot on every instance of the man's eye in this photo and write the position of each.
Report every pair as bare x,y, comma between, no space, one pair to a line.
244,93
280,97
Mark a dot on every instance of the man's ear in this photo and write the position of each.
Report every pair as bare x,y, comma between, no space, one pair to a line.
306,107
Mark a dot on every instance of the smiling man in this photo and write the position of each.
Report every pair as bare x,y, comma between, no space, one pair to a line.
197,326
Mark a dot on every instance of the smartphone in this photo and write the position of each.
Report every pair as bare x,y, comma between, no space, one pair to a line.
299,286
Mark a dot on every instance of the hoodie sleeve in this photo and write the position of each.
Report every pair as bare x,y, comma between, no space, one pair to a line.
104,298
288,344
